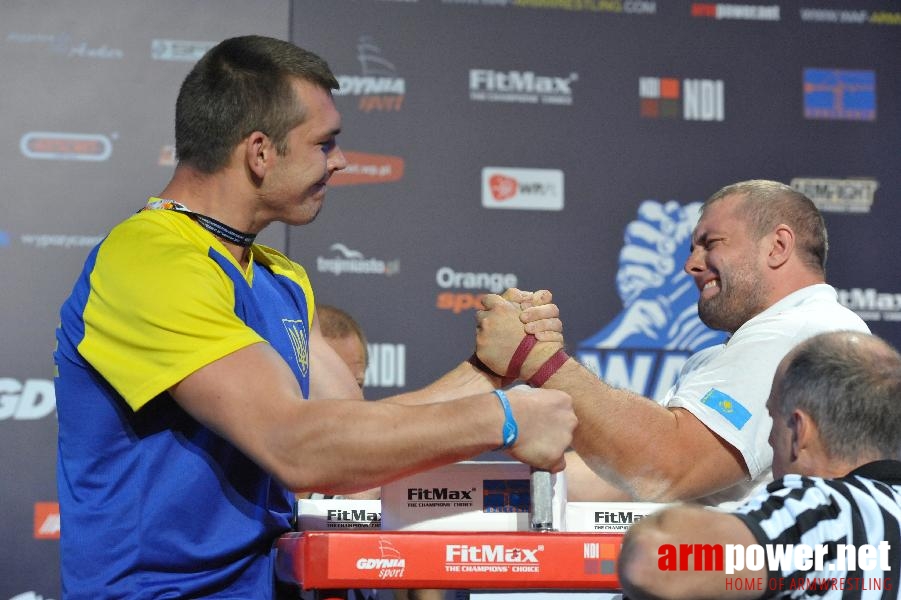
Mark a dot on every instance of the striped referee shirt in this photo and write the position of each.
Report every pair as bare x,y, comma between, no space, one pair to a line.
864,507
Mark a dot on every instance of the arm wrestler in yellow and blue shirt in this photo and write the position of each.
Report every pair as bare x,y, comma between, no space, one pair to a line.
138,478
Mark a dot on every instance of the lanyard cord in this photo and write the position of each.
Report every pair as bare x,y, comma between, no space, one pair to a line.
217,228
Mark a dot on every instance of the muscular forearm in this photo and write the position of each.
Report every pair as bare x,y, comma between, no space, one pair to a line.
671,554
351,446
652,453
462,380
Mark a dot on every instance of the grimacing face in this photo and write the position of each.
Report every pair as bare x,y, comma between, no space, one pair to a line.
726,264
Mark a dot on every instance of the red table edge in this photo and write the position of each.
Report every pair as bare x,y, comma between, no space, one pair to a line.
326,559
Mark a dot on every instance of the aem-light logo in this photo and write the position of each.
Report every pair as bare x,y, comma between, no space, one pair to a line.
522,189
838,195
52,145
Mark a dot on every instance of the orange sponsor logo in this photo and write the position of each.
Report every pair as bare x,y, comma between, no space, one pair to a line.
365,168
46,520
458,302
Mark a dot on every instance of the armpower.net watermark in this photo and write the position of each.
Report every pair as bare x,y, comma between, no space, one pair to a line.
812,564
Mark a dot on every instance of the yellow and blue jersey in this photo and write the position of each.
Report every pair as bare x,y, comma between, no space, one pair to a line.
151,501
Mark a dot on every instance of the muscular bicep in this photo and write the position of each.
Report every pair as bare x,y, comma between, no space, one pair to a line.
247,397
701,462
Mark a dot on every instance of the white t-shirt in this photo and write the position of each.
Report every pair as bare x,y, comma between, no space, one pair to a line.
727,386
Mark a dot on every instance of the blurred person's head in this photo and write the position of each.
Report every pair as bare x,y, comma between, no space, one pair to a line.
346,337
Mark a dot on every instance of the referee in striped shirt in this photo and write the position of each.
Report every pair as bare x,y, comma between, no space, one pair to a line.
836,439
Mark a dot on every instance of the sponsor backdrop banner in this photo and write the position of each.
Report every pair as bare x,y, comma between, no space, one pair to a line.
491,143
566,145
87,135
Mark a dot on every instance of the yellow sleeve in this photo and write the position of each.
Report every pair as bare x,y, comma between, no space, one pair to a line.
159,308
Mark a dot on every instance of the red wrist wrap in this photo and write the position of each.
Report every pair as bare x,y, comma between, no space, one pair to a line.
475,361
519,357
548,368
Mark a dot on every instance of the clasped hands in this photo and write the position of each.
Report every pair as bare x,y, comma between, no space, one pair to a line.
506,319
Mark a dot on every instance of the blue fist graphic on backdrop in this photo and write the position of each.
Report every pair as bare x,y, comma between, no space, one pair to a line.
658,326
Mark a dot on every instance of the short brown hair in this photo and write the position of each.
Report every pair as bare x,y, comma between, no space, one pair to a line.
770,203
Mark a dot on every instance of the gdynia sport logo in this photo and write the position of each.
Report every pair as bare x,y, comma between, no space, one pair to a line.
810,565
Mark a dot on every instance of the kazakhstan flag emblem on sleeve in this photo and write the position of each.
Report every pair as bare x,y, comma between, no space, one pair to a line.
729,407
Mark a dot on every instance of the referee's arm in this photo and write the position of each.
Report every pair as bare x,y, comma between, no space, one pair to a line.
671,554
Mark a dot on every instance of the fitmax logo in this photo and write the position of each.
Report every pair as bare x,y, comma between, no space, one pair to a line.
520,86
491,554
619,518
438,494
335,514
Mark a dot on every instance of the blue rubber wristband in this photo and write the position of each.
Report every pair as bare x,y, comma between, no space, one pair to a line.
511,429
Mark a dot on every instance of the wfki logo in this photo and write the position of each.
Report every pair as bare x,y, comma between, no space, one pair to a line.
363,168
523,189
46,520
51,145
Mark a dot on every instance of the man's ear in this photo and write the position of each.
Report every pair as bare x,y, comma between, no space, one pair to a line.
258,152
782,245
804,432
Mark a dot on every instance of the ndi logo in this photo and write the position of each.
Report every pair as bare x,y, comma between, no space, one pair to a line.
387,365
688,99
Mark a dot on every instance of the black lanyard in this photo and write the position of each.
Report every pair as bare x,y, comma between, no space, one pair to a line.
217,228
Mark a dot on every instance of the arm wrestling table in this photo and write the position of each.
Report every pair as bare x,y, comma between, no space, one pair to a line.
321,560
